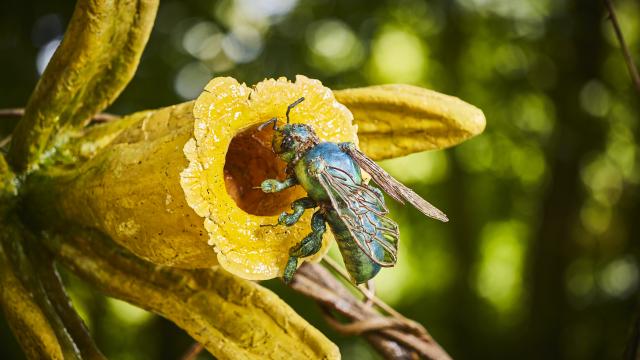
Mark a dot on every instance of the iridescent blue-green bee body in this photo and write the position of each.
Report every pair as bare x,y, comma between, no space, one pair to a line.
358,264
331,175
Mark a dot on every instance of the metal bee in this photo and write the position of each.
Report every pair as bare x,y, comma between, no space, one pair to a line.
331,175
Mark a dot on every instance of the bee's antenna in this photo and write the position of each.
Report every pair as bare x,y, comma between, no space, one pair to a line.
272,120
292,106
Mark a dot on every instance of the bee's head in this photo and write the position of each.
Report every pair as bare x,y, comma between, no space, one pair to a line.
291,140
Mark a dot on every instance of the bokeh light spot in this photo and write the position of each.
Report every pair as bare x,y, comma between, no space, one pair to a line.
620,278
595,217
528,164
203,40
191,79
334,47
477,154
424,168
425,264
45,53
520,10
510,61
262,10
534,113
594,98
128,313
580,280
243,44
398,56
604,179
500,267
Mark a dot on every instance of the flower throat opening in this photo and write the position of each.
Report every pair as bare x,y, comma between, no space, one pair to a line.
249,161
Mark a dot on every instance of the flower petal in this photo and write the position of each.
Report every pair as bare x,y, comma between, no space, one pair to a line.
397,120
228,157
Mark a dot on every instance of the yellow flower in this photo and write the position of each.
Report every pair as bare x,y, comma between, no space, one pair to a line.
228,156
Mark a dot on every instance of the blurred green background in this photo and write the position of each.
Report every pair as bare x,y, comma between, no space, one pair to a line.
540,259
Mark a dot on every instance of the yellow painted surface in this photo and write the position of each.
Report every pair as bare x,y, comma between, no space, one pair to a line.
130,189
396,120
233,318
174,185
27,320
96,59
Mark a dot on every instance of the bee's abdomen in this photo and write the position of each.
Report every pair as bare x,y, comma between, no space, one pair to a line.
360,267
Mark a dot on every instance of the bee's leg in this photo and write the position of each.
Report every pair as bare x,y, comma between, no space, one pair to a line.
310,245
298,206
274,185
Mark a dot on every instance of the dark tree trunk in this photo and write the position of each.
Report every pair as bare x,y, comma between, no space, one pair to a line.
575,46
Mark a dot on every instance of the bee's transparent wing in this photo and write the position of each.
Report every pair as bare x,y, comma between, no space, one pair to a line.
362,210
392,186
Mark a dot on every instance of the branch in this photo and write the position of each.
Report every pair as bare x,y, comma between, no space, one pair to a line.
633,71
193,352
28,321
231,317
96,59
39,313
52,285
395,337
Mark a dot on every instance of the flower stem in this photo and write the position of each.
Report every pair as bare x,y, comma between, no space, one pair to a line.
96,59
33,315
393,337
216,308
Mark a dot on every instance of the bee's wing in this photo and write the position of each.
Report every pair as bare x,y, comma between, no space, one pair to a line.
362,210
392,186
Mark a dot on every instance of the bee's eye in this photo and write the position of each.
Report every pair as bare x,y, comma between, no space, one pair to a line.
287,143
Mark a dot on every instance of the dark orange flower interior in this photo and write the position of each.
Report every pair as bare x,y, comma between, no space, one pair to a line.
249,161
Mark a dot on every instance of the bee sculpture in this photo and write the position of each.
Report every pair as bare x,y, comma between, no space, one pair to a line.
331,175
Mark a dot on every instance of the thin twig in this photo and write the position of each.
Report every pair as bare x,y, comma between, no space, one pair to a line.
27,260
361,327
5,141
368,295
633,347
57,295
193,351
633,71
371,288
394,337
12,112
19,112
